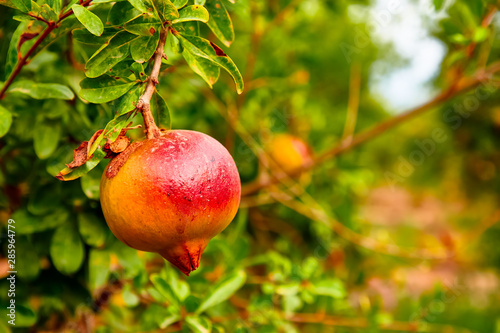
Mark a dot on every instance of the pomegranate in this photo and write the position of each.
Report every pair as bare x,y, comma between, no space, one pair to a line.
171,195
289,152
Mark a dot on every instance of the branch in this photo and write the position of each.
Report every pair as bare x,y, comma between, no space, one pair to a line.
349,143
24,60
399,326
312,210
144,104
353,103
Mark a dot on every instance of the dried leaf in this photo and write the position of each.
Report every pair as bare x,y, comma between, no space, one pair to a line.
80,156
120,144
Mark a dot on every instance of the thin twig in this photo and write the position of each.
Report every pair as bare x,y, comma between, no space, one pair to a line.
144,103
488,18
348,144
321,319
24,60
312,210
353,104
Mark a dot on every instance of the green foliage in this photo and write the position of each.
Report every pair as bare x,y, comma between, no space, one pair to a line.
307,256
89,20
66,249
5,120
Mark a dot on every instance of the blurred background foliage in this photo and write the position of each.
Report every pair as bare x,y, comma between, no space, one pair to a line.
399,234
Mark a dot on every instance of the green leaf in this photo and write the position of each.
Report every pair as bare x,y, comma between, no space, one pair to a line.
25,316
459,39
91,182
206,69
92,229
179,287
103,61
144,25
144,6
330,287
44,199
199,324
129,298
199,2
127,102
179,3
205,49
223,290
89,20
41,90
7,3
165,290
128,259
220,21
104,89
99,268
139,72
167,10
71,174
109,55
160,111
84,37
43,11
480,35
22,5
46,137
29,267
122,12
123,70
143,48
169,320
29,224
172,49
12,58
291,303
5,121
188,28
193,13
56,5
22,18
66,249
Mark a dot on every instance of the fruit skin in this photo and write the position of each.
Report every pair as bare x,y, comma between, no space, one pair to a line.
171,195
289,152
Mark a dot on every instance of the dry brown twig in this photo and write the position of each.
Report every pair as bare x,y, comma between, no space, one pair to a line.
353,103
144,103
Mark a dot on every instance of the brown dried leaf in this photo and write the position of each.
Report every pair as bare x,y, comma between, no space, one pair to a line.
80,156
118,161
120,144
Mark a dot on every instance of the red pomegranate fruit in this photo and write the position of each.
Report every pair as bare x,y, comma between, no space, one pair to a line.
171,195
